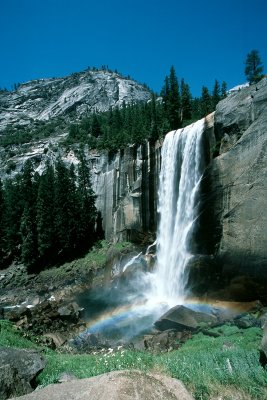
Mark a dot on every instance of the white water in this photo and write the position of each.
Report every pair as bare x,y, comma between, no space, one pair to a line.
178,198
180,177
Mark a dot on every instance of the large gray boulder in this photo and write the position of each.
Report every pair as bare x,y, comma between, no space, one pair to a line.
18,370
239,182
183,318
28,363
118,385
11,383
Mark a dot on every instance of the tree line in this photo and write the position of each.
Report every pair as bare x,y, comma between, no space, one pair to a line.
135,123
48,218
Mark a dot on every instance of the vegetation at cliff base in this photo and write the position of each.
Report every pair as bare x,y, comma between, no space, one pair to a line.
227,365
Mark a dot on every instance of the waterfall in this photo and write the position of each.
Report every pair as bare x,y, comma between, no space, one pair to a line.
178,197
132,307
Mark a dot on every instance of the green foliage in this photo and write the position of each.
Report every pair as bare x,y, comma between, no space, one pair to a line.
172,100
10,336
95,259
47,219
253,67
138,122
208,366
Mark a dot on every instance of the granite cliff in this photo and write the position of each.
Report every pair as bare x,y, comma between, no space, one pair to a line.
233,223
239,182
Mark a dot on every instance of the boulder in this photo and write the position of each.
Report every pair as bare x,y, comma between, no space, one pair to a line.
182,318
11,383
118,385
19,370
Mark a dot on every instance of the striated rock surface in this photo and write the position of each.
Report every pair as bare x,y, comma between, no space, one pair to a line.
239,182
72,97
126,190
118,385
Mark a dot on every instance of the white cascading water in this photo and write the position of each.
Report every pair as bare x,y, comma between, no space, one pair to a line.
154,293
181,171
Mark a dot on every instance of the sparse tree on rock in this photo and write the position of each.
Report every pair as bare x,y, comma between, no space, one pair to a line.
253,67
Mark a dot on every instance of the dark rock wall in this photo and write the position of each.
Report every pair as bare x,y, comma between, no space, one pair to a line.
239,182
125,184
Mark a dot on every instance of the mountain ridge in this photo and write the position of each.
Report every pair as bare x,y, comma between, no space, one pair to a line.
73,96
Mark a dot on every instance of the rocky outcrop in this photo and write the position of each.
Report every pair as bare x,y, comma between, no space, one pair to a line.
73,96
126,191
239,182
118,385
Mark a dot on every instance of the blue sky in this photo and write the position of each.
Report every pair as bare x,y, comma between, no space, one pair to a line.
204,40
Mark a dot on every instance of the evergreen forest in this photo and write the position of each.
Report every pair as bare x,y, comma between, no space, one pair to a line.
49,218
136,123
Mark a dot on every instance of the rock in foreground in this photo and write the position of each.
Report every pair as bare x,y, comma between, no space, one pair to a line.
118,385
18,371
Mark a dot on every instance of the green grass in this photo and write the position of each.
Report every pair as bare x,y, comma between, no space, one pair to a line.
10,336
92,261
209,365
226,366
87,365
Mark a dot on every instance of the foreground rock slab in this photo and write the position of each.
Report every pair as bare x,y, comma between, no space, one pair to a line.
118,385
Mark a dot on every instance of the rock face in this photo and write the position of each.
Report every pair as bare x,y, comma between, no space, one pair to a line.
72,97
126,190
239,182
119,385
233,220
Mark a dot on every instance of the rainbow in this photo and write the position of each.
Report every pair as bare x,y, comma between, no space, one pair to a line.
132,319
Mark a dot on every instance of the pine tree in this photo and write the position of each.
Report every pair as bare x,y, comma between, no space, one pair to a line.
62,217
14,205
28,229
86,199
205,102
67,217
96,127
174,101
171,99
223,90
45,216
28,238
154,129
216,96
186,102
253,67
